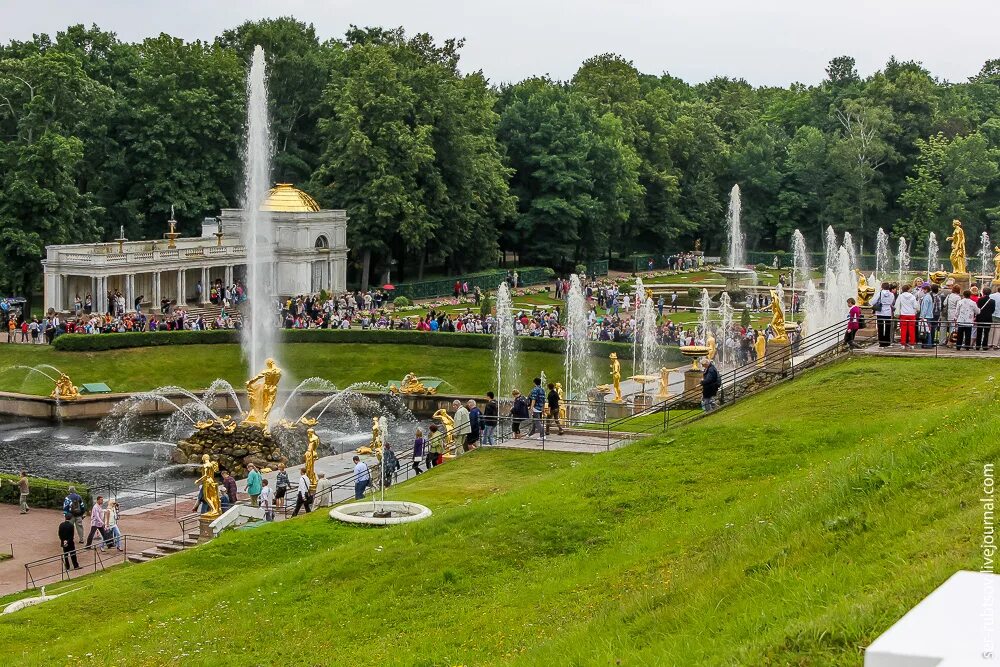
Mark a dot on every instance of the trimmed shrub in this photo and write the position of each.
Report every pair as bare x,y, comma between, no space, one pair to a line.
117,341
400,302
45,493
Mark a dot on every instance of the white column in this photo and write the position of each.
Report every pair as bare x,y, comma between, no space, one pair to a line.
229,275
101,298
129,290
180,288
156,291
204,284
183,294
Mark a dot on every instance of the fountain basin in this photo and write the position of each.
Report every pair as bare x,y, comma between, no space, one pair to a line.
365,513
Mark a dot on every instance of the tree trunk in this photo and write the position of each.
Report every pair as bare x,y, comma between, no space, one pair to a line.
366,264
420,264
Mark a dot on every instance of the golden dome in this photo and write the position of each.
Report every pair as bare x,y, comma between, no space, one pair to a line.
286,198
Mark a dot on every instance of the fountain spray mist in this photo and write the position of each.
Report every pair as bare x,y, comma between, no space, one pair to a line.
932,253
505,354
985,259
577,362
882,259
737,247
902,261
259,327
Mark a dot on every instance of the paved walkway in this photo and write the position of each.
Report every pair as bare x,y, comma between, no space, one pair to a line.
896,350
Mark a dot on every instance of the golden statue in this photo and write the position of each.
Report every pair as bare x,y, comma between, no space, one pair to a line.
411,384
939,277
310,458
616,377
376,442
448,423
710,344
778,319
562,403
996,264
697,245
262,389
760,347
65,388
664,383
209,487
865,291
957,239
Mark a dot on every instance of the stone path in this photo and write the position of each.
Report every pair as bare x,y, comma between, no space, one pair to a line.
896,350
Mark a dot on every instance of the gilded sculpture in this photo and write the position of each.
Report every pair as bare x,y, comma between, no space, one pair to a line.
65,389
616,377
411,384
209,487
957,239
996,264
562,403
760,347
778,319
865,291
710,344
262,390
310,458
448,423
664,383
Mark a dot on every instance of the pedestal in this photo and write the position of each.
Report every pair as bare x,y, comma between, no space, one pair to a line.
963,280
205,532
776,357
692,380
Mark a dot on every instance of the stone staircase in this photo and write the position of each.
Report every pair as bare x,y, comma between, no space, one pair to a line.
165,548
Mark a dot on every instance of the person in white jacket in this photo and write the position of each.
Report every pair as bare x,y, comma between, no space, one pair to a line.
965,318
906,309
949,313
882,306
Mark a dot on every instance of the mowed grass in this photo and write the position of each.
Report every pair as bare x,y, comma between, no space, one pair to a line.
467,371
789,529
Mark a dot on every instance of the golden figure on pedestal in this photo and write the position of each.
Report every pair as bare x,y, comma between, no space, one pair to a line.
710,344
65,389
616,377
411,384
664,383
448,423
760,347
562,403
262,390
310,458
996,264
957,239
778,319
865,291
209,487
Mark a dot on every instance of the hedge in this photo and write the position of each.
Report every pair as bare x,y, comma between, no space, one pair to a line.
44,493
116,341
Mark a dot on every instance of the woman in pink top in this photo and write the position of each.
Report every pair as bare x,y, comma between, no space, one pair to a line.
853,323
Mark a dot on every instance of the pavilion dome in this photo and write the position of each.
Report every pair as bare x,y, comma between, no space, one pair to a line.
286,198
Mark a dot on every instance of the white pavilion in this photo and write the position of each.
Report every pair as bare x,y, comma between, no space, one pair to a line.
310,255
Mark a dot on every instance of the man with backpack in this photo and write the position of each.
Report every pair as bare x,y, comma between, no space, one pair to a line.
537,400
74,511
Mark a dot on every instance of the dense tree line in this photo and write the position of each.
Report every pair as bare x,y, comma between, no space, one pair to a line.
440,170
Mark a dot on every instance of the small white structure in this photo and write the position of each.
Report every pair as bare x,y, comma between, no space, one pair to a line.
948,628
310,254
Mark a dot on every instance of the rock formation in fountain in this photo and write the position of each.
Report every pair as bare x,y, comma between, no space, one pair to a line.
236,449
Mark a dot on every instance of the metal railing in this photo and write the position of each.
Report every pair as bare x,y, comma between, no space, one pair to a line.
933,334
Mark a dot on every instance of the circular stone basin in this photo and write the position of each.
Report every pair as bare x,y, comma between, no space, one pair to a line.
386,513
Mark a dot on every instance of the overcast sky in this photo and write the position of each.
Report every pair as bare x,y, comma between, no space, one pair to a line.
771,42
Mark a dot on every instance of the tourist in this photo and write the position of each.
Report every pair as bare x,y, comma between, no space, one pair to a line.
303,498
253,484
882,307
230,483
995,327
280,486
224,503
491,416
66,542
984,320
462,426
965,317
97,524
24,489
362,477
709,384
475,425
74,511
324,490
418,451
390,464
266,500
553,401
435,447
111,524
518,412
949,312
907,308
537,400
853,323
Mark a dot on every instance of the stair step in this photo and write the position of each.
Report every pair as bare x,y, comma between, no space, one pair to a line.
184,541
169,547
136,558
153,553
194,536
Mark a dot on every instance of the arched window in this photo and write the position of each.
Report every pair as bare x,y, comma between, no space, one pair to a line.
322,242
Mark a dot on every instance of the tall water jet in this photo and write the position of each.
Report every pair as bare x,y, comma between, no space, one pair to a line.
801,270
646,340
726,316
505,353
849,246
902,261
577,362
734,231
831,248
932,253
985,258
259,326
640,295
706,305
882,258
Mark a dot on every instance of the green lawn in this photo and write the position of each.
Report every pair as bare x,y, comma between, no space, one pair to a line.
468,371
789,529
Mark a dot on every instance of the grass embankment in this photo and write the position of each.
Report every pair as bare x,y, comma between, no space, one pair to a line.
468,371
791,528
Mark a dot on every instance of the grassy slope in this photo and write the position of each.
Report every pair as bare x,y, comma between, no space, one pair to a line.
195,366
791,528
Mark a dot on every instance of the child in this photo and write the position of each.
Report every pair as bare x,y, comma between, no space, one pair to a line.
266,500
418,451
436,446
